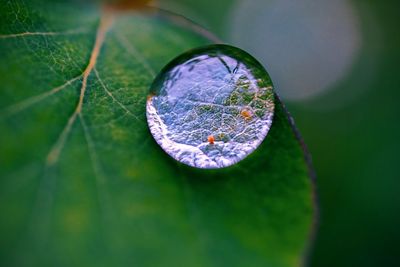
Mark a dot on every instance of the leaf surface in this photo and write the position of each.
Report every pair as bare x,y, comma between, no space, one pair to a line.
82,181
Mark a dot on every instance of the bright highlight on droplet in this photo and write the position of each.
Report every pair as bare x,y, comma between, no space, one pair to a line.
211,107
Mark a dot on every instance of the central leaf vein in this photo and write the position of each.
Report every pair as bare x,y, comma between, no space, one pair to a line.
105,25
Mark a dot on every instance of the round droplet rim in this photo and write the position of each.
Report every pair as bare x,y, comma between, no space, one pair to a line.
224,50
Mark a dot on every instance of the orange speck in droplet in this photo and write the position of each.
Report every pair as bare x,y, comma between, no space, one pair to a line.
150,96
211,139
246,113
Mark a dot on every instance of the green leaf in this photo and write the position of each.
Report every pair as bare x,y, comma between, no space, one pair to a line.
82,181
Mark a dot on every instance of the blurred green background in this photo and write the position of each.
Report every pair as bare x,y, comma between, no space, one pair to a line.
336,65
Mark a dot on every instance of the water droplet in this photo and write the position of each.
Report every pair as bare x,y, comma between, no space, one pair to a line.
211,107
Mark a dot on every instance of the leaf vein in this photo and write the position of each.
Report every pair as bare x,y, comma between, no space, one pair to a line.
24,104
27,34
112,96
133,52
105,24
102,194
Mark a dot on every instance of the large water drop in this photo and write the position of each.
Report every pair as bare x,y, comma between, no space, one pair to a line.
211,107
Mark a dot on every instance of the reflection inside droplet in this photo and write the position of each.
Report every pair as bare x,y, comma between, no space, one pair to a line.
211,107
